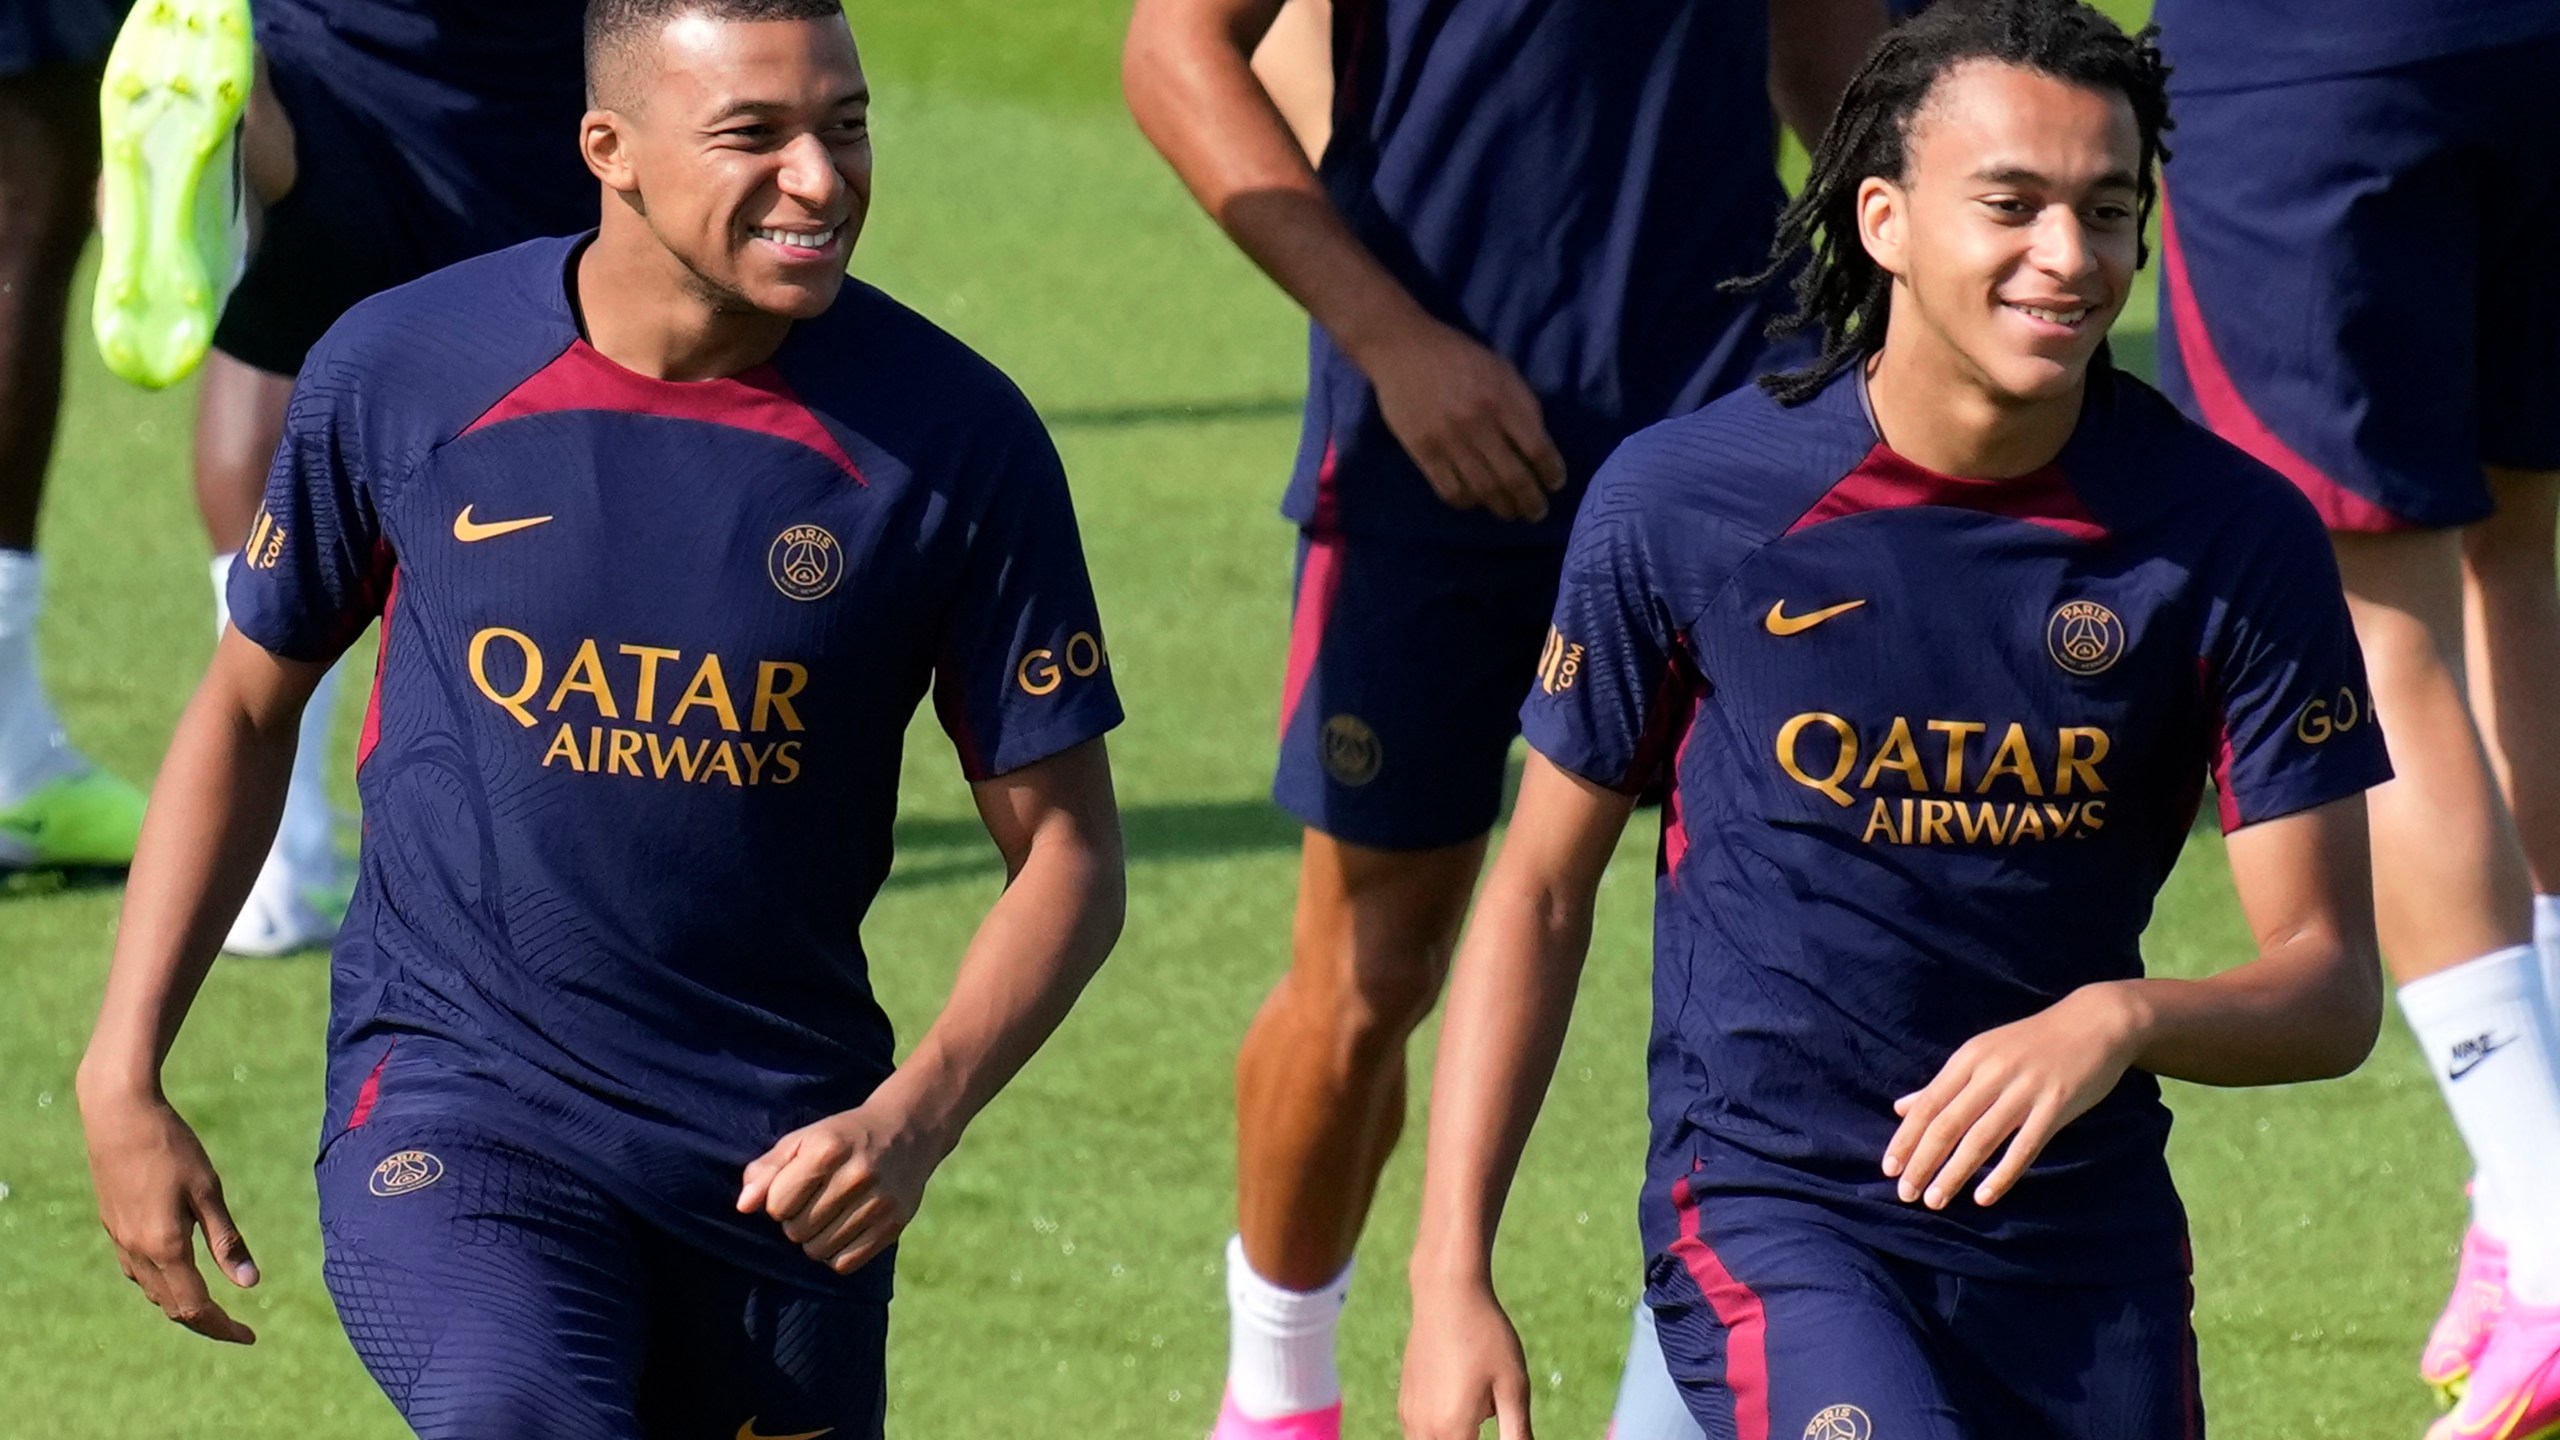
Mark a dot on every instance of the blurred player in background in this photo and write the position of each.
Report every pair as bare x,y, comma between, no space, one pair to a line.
671,528
57,811
1509,251
1935,643
2360,293
358,145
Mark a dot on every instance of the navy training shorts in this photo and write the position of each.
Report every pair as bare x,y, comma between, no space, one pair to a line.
1779,1326
493,1291
2358,287
1407,665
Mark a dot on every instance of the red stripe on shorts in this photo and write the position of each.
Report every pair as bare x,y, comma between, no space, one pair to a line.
1746,1324
370,1092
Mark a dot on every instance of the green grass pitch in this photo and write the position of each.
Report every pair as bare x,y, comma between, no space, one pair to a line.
1064,1278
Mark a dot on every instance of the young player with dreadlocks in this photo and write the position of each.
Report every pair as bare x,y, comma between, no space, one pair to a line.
1934,644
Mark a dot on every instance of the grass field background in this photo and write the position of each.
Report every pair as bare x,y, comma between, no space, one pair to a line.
1064,1278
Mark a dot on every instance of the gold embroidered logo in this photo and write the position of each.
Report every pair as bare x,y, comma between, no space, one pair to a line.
1840,1422
266,542
470,531
2084,637
805,562
407,1170
1560,664
1782,623
1350,750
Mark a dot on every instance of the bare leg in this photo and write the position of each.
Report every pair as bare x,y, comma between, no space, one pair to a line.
1321,1081
2512,595
48,159
2449,875
239,422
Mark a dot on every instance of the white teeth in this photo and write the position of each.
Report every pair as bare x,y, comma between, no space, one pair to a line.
2057,317
802,239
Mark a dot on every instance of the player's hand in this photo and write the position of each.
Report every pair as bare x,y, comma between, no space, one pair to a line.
1467,419
1462,1366
843,1188
155,1188
2021,1084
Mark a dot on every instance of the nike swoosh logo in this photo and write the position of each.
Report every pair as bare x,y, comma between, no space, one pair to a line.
1781,623
2473,1061
467,530
748,1432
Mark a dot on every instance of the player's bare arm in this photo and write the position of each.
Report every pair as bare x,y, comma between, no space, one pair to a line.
845,1187
2307,1008
1510,995
212,811
1461,411
1814,47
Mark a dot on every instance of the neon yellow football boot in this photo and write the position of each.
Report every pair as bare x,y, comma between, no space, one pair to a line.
88,820
172,224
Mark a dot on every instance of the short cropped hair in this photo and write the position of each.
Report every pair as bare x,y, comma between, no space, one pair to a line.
1840,291
617,31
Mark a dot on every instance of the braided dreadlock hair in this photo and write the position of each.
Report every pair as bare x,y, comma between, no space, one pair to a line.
1842,289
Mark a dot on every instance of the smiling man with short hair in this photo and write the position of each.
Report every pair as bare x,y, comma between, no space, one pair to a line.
670,529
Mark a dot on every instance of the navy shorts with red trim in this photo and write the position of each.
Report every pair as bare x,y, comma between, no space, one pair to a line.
1777,1325
492,1290
1407,665
2358,287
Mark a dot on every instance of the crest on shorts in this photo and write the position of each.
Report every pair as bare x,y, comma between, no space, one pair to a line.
1840,1422
404,1171
805,562
1350,750
2084,637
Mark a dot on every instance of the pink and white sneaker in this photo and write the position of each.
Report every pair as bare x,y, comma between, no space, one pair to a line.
2470,1314
1234,1424
2514,1393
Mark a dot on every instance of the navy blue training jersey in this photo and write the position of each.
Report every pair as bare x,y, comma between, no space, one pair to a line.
2225,44
479,99
1566,180
648,653
1933,745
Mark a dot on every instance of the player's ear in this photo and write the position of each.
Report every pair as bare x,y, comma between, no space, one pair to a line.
607,148
1884,222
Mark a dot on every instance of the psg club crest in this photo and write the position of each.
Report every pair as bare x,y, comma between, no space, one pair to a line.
404,1171
805,562
1840,1422
2084,637
1350,749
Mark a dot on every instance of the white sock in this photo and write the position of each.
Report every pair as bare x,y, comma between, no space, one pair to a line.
305,837
2487,1034
2546,933
1280,1342
33,751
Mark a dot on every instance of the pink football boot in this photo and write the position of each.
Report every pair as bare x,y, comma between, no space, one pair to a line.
2470,1313
1234,1424
2514,1392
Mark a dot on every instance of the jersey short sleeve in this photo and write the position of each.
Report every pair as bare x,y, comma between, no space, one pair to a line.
2285,679
316,566
1023,671
1600,705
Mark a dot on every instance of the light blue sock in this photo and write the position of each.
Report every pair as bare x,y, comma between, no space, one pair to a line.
1649,1403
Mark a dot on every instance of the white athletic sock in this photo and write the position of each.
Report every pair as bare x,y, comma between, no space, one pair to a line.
1280,1342
305,837
33,751
2546,933
2488,1036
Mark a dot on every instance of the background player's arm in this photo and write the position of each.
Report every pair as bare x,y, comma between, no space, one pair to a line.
844,1188
2307,1008
1510,996
1462,412
1814,47
213,810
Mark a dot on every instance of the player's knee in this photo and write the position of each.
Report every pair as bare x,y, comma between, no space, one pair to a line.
1389,998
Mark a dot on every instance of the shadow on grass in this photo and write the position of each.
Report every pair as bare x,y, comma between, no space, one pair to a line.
935,850
1171,412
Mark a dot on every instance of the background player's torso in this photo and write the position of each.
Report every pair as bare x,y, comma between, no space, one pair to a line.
1937,744
2220,44
1567,180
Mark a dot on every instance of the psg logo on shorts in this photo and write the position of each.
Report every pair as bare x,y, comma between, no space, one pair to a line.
1840,1422
1350,750
805,562
407,1170
2085,637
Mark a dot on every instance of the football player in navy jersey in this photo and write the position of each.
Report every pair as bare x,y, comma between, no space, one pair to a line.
670,528
2358,291
1509,248
1935,644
